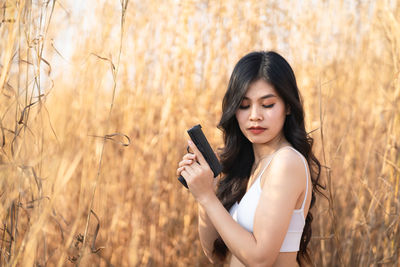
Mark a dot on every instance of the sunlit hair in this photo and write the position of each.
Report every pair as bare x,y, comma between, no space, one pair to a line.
237,156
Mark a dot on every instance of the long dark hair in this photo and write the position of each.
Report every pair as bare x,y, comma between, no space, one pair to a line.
237,156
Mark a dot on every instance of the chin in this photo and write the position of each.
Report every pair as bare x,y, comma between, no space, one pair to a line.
260,140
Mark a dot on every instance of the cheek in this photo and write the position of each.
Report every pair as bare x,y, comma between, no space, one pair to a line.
278,115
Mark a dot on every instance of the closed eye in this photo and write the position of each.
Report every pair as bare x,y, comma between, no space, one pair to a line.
264,106
269,106
244,107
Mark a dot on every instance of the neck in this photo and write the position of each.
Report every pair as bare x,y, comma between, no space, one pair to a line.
264,150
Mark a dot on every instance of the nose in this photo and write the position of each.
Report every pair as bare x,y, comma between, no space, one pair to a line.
255,114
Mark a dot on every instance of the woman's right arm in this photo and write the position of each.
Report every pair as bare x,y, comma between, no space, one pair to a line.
207,231
207,234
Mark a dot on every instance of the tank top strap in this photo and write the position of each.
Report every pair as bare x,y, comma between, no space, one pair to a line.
306,193
305,166
266,165
269,161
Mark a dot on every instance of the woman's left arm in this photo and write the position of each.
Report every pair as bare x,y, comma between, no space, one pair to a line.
278,199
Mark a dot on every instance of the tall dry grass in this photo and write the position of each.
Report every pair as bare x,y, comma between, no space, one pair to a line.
96,97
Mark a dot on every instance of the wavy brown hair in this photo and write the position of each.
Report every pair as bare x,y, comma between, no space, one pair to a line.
237,156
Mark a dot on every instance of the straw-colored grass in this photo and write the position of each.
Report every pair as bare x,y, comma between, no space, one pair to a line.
72,75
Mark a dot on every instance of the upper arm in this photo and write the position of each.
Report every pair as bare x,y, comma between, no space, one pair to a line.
284,181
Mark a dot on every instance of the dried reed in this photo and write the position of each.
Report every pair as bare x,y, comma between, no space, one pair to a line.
170,63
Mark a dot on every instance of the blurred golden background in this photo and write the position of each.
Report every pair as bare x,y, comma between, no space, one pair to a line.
96,98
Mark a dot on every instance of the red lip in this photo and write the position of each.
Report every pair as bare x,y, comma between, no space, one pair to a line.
256,129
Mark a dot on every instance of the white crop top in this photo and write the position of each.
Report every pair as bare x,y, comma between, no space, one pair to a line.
243,213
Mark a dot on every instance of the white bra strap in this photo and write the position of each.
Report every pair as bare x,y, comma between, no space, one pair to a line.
269,161
305,165
266,165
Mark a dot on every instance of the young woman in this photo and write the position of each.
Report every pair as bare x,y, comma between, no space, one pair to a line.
259,210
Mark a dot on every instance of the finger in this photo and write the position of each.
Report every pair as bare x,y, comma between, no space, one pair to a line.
179,170
197,152
190,169
191,165
187,172
185,175
185,162
189,156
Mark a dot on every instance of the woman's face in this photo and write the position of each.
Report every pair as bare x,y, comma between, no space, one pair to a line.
262,113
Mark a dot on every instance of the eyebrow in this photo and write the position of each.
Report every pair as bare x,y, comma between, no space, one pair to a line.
263,97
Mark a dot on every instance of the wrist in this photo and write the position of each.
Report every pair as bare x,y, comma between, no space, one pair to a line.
207,200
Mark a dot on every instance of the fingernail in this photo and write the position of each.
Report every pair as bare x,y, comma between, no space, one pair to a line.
190,142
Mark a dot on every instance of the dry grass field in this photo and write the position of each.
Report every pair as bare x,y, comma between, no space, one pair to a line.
96,97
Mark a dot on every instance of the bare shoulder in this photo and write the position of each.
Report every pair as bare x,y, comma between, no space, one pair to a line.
287,167
288,157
